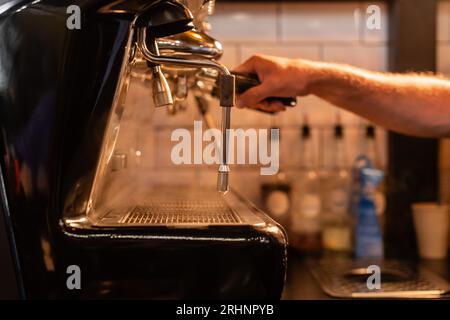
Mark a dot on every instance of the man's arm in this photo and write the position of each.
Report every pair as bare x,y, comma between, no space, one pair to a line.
410,104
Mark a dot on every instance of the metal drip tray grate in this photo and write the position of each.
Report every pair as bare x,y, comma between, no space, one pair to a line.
185,212
179,207
346,278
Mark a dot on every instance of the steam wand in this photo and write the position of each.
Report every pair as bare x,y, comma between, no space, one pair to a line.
226,95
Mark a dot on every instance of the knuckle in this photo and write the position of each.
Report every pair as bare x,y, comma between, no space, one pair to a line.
256,57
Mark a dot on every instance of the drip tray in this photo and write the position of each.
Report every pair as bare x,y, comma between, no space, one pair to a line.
175,207
347,278
180,213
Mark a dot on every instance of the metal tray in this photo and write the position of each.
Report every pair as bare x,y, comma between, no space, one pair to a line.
177,207
347,278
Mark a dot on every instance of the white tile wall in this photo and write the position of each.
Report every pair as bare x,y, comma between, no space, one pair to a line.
288,50
292,155
231,54
178,177
314,22
443,21
372,57
443,37
186,117
443,59
251,118
318,111
245,22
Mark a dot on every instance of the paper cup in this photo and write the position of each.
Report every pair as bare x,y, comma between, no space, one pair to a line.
431,221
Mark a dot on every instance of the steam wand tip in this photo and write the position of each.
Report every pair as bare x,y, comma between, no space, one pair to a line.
222,178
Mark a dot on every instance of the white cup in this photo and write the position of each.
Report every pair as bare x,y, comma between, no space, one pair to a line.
431,222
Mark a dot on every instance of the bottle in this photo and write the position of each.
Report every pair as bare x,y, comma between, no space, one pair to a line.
371,152
367,199
276,192
305,232
336,222
370,145
368,234
277,199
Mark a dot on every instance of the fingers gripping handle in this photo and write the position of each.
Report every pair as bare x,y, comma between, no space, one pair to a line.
250,80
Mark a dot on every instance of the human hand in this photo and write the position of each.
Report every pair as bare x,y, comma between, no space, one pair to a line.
279,77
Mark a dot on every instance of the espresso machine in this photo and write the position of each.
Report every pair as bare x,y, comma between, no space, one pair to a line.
73,200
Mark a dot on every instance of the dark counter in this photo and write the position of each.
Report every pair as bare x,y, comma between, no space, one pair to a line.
301,285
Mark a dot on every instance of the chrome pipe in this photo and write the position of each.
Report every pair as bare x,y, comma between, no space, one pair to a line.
157,59
226,89
192,42
224,169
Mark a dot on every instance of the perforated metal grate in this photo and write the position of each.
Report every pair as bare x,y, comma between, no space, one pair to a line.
180,207
333,275
181,212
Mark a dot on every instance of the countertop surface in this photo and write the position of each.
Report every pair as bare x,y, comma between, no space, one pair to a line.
301,285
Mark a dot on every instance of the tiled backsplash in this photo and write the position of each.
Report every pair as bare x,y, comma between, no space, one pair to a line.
311,30
443,37
319,31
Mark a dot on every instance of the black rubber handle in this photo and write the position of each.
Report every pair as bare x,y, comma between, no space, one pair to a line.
247,81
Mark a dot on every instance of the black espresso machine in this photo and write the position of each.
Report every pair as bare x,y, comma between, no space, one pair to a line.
80,218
